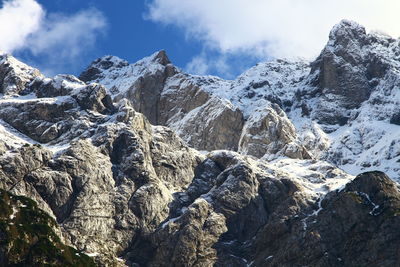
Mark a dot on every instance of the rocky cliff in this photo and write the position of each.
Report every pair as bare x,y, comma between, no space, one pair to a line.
342,107
28,236
144,165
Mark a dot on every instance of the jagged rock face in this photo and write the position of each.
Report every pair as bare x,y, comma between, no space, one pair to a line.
129,193
101,195
270,132
213,222
106,178
348,70
28,236
371,129
338,65
214,125
14,75
60,85
118,186
329,102
40,120
190,104
359,220
46,118
179,97
165,96
142,83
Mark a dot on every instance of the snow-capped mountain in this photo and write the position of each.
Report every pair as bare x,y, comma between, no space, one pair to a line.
342,107
145,165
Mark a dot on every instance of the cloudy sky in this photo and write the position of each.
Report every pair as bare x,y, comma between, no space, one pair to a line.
220,37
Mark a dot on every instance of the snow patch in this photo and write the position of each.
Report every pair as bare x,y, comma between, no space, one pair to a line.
14,213
94,254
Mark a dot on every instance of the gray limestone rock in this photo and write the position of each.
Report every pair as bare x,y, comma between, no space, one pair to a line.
130,193
15,76
269,132
355,226
214,125
345,72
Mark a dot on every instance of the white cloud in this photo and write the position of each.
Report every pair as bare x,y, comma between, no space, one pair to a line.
18,19
67,35
199,65
204,64
278,28
61,39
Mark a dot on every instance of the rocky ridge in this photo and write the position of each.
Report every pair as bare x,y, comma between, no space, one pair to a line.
112,157
342,107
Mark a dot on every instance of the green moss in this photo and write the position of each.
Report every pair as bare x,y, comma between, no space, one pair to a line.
28,236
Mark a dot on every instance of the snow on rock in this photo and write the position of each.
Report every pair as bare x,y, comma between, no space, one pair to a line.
342,107
269,133
317,176
274,81
119,76
15,75
194,106
277,136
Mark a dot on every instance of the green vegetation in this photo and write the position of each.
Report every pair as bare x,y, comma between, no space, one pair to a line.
27,237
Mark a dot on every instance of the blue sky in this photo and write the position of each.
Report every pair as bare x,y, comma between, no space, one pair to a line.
223,37
127,35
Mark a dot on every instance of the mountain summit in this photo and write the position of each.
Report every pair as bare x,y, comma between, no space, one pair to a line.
290,164
342,107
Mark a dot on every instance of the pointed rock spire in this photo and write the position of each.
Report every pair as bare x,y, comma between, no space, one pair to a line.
161,57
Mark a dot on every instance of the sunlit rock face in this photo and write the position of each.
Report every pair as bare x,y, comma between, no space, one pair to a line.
145,165
342,106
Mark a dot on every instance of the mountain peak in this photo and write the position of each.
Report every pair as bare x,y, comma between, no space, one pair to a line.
2,54
160,57
102,64
280,138
114,63
345,31
14,74
109,61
